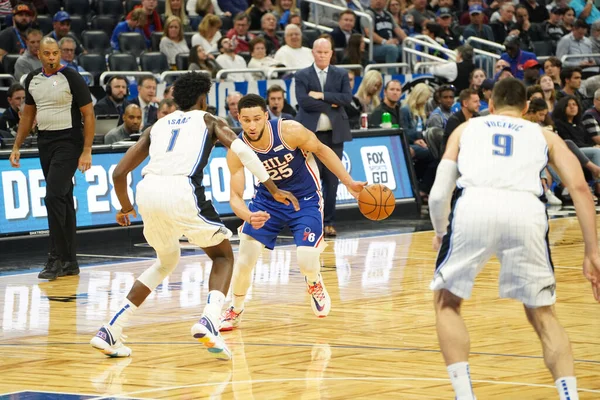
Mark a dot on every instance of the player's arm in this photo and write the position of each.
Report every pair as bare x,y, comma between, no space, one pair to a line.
443,187
568,168
130,161
298,136
220,131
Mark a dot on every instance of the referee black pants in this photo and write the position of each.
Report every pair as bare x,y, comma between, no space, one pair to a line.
59,159
330,181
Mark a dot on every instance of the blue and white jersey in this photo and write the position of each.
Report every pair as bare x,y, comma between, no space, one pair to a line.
502,152
293,170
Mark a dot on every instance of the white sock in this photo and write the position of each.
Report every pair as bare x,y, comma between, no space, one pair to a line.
567,388
237,302
214,305
461,380
119,320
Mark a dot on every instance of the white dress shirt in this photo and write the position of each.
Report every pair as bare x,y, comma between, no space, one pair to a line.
324,123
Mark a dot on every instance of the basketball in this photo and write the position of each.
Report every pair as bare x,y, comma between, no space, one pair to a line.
376,202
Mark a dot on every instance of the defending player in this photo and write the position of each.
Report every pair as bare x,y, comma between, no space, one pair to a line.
286,149
172,202
497,210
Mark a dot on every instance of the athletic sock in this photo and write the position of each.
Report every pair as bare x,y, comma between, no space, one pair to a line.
214,305
119,320
461,380
567,388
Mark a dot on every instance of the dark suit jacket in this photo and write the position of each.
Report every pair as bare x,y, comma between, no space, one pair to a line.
337,91
105,106
152,113
339,37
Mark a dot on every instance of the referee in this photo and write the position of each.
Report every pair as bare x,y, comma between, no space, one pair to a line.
58,97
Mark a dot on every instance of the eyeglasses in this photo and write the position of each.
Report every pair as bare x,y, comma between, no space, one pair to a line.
68,50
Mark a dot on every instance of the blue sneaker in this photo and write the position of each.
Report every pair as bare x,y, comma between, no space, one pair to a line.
208,334
105,342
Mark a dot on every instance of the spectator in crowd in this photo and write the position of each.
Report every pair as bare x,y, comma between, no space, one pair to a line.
528,32
257,10
500,65
209,34
476,78
322,91
434,31
132,121
576,43
504,73
585,10
390,104
472,5
570,79
167,94
552,28
444,20
165,107
354,109
172,41
296,19
12,41
174,8
414,120
516,57
153,21
356,51
531,72
240,38
115,101
283,11
206,7
327,16
469,102
147,100
67,48
61,22
200,61
231,102
276,103
386,34
134,23
591,117
397,9
552,68
485,94
229,60
29,61
538,12
269,26
9,122
345,28
458,73
535,92
479,28
233,6
419,12
293,54
440,115
568,21
505,26
547,85
369,90
537,112
258,51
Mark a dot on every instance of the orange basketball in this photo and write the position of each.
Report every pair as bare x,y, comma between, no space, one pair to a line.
376,202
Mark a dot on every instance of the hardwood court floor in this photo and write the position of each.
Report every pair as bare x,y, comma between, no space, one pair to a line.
379,341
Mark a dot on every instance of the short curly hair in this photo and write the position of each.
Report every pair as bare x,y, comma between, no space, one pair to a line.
189,87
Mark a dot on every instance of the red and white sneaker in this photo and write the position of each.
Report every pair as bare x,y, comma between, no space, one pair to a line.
320,300
230,319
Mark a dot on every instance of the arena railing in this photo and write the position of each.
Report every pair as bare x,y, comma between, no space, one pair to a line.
319,27
409,46
366,16
486,42
85,73
404,66
239,70
273,71
164,77
425,65
108,74
571,56
9,76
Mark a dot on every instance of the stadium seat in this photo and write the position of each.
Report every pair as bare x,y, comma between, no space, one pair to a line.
132,43
309,36
194,22
95,64
8,62
182,61
77,7
45,23
154,61
160,7
188,38
122,62
96,42
543,48
54,6
129,4
104,23
78,25
155,40
110,7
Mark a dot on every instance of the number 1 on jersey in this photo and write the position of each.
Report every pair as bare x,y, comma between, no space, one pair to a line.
504,145
174,134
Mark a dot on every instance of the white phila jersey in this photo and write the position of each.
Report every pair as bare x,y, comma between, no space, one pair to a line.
502,152
179,145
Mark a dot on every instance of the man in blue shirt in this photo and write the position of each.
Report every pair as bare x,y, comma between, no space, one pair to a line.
515,56
585,9
133,24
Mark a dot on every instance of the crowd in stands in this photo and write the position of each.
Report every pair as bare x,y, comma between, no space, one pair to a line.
210,35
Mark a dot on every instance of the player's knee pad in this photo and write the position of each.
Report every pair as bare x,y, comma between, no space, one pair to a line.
248,254
309,260
164,265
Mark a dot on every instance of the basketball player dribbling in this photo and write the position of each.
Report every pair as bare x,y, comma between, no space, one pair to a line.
172,203
287,150
497,210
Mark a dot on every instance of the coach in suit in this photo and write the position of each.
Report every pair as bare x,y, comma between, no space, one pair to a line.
322,91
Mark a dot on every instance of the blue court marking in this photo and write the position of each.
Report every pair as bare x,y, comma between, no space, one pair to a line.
37,395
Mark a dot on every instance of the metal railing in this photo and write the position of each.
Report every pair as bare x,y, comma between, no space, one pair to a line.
108,74
404,66
8,76
428,43
273,71
167,74
239,70
424,65
486,42
319,27
84,73
366,16
571,56
406,51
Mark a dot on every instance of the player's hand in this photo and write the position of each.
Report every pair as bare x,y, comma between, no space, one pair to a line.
286,197
437,242
355,188
258,219
15,158
85,160
123,217
591,271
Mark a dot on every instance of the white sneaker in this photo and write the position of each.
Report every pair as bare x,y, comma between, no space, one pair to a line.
206,333
230,319
320,300
552,199
105,342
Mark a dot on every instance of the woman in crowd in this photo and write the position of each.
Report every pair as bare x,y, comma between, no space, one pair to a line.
552,67
256,12
547,85
568,21
258,51
172,41
174,8
476,78
208,33
397,8
369,91
283,10
200,61
356,53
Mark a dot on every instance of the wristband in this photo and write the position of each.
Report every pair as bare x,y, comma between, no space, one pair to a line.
126,212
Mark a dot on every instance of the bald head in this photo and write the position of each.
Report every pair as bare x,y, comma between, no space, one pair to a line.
322,53
49,54
132,118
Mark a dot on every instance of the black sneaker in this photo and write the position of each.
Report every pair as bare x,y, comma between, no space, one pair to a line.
52,270
70,268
